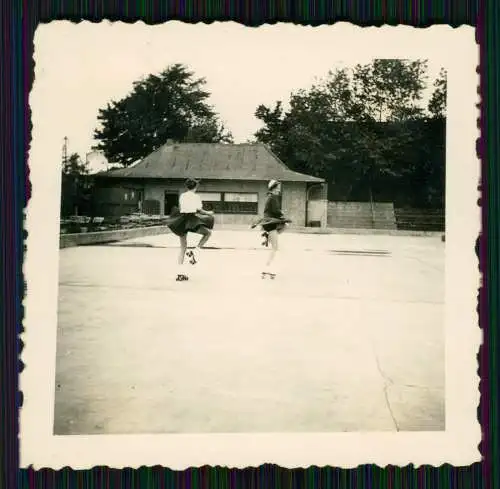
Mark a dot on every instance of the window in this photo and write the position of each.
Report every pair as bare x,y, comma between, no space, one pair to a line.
240,197
131,194
210,196
230,202
239,208
240,203
211,200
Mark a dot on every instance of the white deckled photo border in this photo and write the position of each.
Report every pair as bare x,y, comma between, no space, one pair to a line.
458,52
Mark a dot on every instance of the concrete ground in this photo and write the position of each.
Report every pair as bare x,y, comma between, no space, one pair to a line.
349,337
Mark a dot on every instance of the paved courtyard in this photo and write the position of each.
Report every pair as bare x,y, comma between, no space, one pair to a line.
349,337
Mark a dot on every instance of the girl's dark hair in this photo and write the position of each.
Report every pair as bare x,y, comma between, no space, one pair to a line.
190,183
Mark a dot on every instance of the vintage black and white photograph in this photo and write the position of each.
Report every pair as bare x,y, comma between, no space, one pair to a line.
251,237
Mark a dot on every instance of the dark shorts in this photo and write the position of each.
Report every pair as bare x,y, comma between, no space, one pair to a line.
273,227
269,224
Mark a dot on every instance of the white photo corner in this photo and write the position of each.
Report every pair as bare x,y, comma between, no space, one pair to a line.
174,171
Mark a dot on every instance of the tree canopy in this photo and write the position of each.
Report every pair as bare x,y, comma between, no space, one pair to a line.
437,103
76,186
365,131
170,105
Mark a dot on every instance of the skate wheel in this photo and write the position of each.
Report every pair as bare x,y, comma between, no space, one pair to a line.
192,258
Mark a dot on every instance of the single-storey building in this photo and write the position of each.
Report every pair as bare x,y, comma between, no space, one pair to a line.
233,184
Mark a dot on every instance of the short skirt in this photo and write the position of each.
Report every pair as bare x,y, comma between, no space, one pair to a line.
181,224
269,224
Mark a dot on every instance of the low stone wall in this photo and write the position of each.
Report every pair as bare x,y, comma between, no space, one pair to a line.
361,215
102,237
362,231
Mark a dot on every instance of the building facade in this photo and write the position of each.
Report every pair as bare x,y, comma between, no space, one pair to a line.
233,183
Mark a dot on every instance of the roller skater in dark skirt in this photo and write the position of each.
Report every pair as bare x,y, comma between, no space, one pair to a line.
190,217
273,224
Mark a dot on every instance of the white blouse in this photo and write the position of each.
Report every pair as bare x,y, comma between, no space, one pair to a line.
189,202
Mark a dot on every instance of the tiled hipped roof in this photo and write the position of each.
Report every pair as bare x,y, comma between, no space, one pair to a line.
211,162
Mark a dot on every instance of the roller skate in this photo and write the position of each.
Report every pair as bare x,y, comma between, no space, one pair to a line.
265,235
182,276
192,257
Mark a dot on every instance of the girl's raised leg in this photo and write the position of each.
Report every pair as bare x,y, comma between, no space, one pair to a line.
181,275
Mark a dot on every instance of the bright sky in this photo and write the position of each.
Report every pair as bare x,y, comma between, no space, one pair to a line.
81,67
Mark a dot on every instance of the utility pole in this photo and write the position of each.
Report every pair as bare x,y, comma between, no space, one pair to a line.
65,152
74,177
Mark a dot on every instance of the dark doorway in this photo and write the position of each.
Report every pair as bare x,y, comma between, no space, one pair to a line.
171,201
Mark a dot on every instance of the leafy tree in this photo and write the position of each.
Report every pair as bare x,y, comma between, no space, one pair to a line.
390,89
437,103
364,131
74,167
171,105
76,187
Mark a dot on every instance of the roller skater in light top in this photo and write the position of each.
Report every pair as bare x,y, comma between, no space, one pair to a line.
273,223
190,217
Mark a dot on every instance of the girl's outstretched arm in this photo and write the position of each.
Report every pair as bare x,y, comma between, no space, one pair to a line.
200,208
